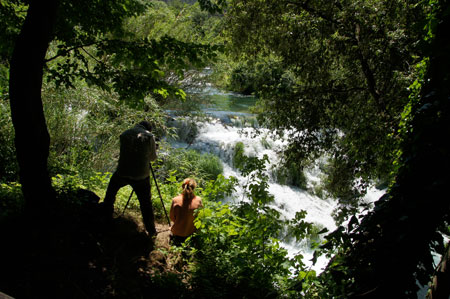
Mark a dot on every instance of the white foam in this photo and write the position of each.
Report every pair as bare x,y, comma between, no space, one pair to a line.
220,139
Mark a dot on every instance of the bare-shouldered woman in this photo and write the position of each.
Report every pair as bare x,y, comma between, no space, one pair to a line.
182,212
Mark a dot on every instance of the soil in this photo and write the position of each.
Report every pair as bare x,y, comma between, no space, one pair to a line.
74,253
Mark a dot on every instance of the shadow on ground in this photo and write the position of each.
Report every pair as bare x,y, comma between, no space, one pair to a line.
76,254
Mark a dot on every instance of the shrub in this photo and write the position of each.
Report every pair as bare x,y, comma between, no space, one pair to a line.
252,76
8,163
237,250
290,174
189,163
238,155
11,202
85,125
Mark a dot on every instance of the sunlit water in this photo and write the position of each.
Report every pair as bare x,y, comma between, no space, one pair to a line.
220,139
219,136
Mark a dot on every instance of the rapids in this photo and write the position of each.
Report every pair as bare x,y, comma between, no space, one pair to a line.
219,134
230,121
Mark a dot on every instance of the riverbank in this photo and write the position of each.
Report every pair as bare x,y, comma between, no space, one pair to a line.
74,254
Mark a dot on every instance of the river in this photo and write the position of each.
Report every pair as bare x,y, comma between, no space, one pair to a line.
231,121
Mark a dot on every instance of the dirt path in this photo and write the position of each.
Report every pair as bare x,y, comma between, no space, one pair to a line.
76,255
162,259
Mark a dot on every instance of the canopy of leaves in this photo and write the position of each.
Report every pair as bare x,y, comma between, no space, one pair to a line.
93,42
339,80
389,252
12,15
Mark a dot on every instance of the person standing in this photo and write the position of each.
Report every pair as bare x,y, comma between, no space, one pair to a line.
182,212
137,150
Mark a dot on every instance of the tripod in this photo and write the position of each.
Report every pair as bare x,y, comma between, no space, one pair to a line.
159,192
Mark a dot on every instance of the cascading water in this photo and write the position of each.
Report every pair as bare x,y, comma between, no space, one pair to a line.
220,134
220,139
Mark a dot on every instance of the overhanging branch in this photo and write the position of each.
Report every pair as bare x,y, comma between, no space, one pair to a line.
71,49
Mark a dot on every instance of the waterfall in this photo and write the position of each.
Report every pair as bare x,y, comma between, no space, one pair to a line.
230,122
224,129
219,137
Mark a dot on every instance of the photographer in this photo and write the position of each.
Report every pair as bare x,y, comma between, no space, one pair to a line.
137,150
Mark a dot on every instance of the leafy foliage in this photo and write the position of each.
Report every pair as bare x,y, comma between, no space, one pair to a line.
236,247
8,165
238,155
12,15
331,75
213,5
404,228
134,64
189,163
337,80
12,200
85,123
95,42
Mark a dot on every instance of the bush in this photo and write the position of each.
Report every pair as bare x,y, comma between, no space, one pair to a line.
85,125
183,163
290,174
238,155
11,202
8,163
68,185
243,79
4,82
237,250
251,76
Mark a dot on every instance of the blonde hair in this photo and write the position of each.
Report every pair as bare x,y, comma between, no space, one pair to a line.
188,188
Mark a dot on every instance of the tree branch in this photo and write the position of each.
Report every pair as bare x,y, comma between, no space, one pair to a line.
71,49
90,55
368,73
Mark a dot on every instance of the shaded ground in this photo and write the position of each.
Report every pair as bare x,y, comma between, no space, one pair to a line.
76,254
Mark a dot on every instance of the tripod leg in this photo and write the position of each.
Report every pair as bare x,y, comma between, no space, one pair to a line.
129,198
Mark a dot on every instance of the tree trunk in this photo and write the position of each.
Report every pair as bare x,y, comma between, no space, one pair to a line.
26,73
440,287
